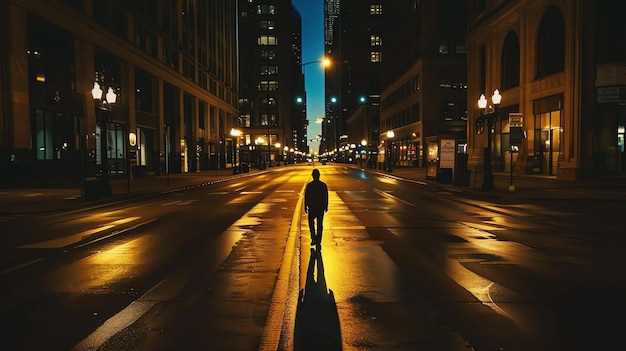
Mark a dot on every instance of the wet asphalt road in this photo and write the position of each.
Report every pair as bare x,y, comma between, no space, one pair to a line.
228,266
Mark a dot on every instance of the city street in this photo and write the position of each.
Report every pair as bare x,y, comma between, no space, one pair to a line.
404,265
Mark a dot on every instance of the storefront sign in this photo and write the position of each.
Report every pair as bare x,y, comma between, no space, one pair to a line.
447,152
611,94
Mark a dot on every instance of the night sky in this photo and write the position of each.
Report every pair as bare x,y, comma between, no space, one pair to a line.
312,12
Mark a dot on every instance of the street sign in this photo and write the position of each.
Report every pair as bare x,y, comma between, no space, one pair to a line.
516,119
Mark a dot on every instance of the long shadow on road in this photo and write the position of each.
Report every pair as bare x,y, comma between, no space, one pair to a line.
317,322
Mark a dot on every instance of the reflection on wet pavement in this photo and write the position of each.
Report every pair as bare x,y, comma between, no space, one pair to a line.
317,322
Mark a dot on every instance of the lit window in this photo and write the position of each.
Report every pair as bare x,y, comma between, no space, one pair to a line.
376,9
269,70
443,46
267,40
375,40
265,10
267,24
375,56
268,85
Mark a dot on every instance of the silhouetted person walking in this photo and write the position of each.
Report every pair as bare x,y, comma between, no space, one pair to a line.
315,205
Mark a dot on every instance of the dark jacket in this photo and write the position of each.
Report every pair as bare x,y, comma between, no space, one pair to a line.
316,196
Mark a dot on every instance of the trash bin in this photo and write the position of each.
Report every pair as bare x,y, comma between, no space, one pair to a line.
445,176
461,173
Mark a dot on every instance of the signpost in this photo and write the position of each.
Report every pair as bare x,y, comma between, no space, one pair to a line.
516,124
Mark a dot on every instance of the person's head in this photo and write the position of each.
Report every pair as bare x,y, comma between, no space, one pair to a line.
316,174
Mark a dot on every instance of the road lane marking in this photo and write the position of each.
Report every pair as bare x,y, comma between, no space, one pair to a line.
118,232
280,316
25,264
393,197
66,240
171,203
71,239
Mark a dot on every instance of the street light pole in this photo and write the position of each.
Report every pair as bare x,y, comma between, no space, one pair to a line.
235,133
388,159
103,109
269,136
325,62
490,119
363,151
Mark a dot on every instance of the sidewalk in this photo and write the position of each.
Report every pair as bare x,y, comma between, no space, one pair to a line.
33,200
525,186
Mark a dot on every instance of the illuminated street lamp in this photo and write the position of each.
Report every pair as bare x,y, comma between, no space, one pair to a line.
236,133
388,160
363,151
489,119
103,112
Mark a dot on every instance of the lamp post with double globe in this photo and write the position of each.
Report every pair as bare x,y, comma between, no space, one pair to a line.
489,119
103,103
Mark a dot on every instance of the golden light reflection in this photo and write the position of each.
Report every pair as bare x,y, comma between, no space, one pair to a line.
387,180
120,254
101,216
109,266
77,237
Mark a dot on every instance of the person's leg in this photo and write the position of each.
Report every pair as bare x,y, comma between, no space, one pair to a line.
320,226
312,227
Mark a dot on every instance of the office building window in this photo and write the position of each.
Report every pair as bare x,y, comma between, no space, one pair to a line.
273,119
50,56
54,135
244,120
268,85
460,47
267,40
444,46
143,91
268,54
267,24
510,62
375,40
375,56
269,70
550,43
265,10
376,9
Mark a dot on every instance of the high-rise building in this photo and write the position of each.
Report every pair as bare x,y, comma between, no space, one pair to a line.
171,67
272,98
354,47
424,80
398,77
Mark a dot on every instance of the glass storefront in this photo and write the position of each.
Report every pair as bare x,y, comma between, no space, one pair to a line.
548,135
